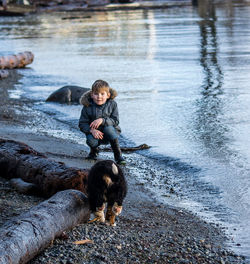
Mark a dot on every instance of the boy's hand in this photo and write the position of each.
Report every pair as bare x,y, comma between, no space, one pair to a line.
96,123
96,133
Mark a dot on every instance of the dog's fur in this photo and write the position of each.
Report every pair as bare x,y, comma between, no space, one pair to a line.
106,184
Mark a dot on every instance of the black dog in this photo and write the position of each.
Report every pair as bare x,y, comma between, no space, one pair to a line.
106,184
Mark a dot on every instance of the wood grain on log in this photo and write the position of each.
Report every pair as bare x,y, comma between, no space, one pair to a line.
129,149
18,160
16,61
25,236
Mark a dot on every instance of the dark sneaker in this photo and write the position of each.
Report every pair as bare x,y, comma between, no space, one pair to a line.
121,161
91,157
93,154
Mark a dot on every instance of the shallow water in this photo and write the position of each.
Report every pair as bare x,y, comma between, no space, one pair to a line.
183,80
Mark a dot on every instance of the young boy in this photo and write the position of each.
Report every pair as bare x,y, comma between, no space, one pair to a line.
99,119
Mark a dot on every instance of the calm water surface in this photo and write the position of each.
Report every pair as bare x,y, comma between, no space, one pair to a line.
183,80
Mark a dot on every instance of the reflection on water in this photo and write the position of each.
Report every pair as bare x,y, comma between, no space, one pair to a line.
214,122
7,85
209,124
182,75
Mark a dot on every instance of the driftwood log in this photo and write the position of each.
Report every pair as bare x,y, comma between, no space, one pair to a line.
18,160
23,237
19,60
107,149
128,149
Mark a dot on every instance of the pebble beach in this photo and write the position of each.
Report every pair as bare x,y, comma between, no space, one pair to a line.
147,231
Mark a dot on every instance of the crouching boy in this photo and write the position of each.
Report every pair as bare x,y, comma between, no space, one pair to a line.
99,119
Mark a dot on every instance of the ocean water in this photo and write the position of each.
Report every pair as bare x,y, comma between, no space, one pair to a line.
182,76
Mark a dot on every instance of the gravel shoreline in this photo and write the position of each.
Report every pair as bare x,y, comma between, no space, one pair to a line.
146,232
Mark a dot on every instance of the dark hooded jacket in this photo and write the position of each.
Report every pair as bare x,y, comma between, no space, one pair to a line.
91,111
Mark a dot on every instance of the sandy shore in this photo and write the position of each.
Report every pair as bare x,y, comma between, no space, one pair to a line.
146,232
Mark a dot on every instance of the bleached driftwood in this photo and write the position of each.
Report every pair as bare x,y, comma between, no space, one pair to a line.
25,236
18,160
16,61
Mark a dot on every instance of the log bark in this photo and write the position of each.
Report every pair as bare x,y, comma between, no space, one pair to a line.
16,61
18,160
25,236
129,149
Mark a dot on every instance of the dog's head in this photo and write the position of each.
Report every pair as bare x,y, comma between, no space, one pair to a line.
106,169
108,178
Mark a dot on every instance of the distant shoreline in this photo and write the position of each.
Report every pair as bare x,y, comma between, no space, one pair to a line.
74,7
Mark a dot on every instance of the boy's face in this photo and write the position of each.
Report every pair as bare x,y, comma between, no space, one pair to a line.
100,97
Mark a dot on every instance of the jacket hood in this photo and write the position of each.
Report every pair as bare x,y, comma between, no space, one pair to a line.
86,99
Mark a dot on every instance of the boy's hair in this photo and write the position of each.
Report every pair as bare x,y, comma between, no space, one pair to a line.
100,85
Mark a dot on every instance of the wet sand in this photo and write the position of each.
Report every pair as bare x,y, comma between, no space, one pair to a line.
147,231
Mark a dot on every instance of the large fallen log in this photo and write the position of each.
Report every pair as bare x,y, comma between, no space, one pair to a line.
18,160
16,61
25,236
12,9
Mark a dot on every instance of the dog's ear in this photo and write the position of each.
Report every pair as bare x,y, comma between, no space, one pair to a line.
115,169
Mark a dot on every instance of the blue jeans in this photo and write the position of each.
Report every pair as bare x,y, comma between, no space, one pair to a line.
110,133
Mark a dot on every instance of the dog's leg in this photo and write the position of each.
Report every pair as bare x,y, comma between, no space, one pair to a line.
112,211
116,209
99,213
110,217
